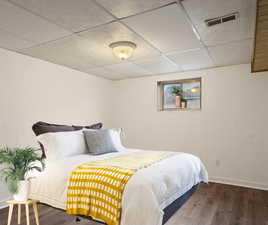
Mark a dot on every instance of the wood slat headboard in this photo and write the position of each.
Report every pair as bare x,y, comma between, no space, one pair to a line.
260,55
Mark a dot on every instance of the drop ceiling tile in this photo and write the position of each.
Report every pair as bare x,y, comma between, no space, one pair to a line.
232,53
166,28
102,72
101,37
242,28
192,60
75,15
71,51
124,8
11,42
158,64
28,26
127,69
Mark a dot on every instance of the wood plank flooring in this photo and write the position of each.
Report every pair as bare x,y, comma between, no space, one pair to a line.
213,204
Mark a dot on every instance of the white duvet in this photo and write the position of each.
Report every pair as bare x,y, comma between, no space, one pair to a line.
146,194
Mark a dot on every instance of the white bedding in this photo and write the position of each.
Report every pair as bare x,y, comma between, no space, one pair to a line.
147,193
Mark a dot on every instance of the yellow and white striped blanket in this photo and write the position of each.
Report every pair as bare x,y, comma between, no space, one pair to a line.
96,188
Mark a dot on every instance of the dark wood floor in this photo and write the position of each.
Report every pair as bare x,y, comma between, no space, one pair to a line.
213,204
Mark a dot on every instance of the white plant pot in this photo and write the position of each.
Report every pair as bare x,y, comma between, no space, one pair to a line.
23,190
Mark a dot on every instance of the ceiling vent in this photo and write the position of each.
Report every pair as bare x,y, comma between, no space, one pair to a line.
221,19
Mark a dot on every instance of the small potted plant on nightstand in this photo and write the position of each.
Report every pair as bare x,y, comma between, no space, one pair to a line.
17,163
177,91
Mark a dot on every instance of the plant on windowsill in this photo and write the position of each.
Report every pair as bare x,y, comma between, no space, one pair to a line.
183,103
17,163
177,91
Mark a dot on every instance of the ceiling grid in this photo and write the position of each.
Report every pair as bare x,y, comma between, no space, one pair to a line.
171,35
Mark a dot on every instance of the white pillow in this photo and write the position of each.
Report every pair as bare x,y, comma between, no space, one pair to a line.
63,144
116,137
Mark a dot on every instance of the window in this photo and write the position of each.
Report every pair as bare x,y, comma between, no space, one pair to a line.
179,94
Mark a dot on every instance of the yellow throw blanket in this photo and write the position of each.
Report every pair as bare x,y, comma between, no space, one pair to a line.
95,189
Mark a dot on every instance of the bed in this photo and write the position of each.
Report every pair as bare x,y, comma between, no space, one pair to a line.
151,196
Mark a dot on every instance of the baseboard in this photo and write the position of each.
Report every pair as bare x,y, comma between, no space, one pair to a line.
238,182
3,203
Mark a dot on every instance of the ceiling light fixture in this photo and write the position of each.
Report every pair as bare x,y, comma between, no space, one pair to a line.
123,49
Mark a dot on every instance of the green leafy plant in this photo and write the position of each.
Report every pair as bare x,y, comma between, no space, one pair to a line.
177,90
17,162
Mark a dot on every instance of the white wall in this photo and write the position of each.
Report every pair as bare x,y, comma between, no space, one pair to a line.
33,90
231,128
230,133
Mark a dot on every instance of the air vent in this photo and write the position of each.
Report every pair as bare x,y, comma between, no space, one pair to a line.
221,19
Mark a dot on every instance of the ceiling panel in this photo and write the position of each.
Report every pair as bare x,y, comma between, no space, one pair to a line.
71,51
232,53
124,8
11,42
127,69
102,72
191,60
101,37
158,64
75,15
242,28
26,25
166,28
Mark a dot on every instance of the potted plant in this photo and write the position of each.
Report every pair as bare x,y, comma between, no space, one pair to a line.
177,91
17,163
183,103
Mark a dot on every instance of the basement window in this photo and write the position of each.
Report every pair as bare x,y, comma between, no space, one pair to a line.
179,94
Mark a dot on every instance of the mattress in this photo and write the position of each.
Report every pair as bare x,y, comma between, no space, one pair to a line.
146,195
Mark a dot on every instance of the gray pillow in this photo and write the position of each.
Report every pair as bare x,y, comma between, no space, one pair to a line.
99,141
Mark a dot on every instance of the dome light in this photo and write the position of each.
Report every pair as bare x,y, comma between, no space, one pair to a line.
123,49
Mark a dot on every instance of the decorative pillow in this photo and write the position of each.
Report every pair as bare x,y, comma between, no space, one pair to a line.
99,141
43,127
93,126
63,144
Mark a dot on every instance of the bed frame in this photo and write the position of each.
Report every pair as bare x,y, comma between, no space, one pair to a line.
170,210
